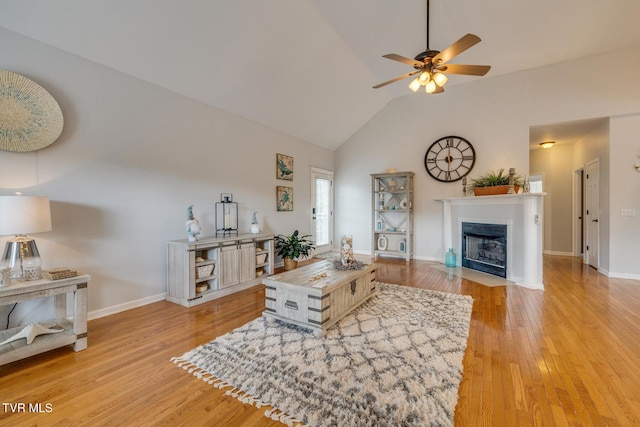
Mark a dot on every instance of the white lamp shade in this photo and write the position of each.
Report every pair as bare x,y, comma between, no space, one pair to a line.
430,87
24,215
415,85
440,79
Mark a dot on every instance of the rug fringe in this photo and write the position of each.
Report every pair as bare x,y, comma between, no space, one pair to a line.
283,418
243,397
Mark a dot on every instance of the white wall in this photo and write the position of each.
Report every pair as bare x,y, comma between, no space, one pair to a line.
131,158
495,115
555,164
624,237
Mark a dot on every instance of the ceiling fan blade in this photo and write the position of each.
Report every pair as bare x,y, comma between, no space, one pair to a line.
404,76
404,60
456,48
470,70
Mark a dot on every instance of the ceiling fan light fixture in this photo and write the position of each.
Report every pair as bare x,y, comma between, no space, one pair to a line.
440,79
547,144
415,84
431,64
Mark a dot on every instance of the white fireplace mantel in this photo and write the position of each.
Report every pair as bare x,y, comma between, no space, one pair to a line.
523,211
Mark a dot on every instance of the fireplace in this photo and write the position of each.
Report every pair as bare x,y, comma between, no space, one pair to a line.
521,213
484,247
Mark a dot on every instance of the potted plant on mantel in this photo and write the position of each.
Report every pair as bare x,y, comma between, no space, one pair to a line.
292,247
495,182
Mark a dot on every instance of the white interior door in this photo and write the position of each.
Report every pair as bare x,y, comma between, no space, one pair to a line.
322,209
578,212
592,213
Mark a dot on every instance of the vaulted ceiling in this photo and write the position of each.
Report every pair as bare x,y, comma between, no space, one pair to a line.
307,67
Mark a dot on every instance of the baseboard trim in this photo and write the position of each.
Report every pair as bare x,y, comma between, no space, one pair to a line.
623,276
107,311
429,258
558,253
421,258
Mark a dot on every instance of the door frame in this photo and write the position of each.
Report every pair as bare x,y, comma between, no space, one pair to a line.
589,239
578,212
326,174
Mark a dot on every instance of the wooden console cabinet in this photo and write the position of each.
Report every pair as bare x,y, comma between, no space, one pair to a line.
75,329
214,267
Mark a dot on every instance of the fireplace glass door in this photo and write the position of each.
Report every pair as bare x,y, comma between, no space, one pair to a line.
484,248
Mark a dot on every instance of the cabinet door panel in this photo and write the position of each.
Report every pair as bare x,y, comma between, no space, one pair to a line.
229,260
247,261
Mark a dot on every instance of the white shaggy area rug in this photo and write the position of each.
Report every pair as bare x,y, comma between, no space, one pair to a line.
394,361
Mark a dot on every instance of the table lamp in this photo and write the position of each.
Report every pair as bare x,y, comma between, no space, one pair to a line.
21,215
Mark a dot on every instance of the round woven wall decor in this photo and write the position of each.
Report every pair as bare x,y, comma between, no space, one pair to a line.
30,119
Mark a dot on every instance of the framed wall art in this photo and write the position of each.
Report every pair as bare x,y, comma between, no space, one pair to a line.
284,198
284,167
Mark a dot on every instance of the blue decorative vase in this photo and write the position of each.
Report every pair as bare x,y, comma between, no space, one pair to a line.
450,258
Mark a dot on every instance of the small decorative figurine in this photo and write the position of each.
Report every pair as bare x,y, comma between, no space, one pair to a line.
512,174
255,227
193,225
30,332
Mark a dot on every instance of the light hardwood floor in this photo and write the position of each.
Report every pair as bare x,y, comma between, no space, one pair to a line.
569,355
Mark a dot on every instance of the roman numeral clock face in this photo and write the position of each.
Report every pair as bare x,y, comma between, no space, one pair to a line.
450,159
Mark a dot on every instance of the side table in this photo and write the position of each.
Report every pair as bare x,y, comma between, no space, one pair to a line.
75,331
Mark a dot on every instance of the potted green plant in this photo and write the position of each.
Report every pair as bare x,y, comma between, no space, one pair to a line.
292,247
494,182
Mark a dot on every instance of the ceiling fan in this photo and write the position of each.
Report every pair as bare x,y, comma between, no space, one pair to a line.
432,65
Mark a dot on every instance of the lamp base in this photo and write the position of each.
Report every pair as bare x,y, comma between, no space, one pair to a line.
22,256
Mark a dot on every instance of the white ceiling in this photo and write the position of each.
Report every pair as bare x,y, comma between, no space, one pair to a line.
562,133
306,67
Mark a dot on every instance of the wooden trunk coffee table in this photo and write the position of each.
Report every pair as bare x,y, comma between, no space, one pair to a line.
316,296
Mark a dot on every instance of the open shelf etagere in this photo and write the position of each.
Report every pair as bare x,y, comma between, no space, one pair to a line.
392,215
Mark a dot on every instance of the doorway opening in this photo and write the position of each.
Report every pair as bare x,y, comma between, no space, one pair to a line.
322,209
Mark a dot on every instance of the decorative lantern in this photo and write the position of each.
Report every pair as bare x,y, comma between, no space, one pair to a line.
226,216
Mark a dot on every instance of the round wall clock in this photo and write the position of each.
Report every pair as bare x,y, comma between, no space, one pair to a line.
450,158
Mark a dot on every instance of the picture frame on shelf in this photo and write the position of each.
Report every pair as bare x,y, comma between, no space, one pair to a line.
284,167
284,198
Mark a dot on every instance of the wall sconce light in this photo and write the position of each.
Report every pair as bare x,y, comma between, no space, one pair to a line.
547,144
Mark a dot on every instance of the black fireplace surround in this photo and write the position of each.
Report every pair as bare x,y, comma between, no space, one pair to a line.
484,248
